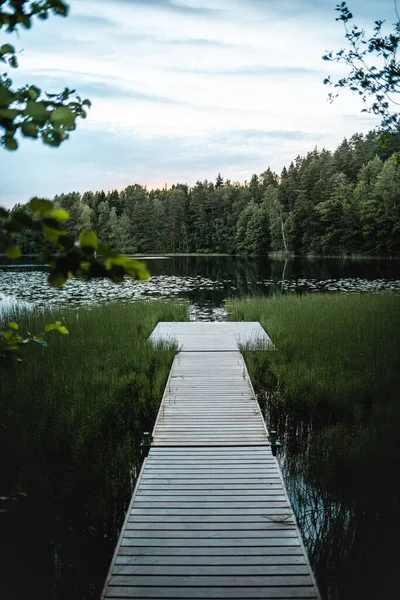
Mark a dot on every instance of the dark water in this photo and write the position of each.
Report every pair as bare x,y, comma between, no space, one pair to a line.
205,281
351,534
348,510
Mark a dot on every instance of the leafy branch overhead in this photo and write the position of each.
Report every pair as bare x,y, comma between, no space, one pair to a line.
377,83
85,258
27,110
11,340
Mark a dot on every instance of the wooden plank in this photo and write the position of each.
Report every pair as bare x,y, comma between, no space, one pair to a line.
213,467
271,515
232,454
219,510
157,486
209,570
209,517
206,492
204,525
205,533
212,552
213,580
268,466
206,593
241,469
201,444
217,477
206,501
259,453
148,514
223,561
209,542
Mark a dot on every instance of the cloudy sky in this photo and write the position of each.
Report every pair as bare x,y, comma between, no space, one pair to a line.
183,90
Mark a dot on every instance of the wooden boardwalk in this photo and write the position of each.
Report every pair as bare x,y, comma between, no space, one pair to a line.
208,400
214,336
210,517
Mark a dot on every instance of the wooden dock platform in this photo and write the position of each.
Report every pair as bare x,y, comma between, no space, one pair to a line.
210,516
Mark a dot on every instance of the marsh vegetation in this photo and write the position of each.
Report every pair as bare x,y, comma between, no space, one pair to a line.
332,391
72,417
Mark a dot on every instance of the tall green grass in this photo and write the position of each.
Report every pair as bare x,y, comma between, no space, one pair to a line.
337,362
331,348
71,420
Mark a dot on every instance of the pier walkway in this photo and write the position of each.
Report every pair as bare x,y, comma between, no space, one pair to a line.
210,516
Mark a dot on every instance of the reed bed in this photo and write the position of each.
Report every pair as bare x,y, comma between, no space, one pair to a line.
71,420
337,363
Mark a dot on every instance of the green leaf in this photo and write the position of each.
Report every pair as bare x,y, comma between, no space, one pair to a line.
37,110
48,221
25,20
7,335
13,61
63,115
8,113
11,143
30,129
66,241
88,238
57,326
57,279
13,226
13,251
34,92
6,97
41,207
106,250
13,325
60,214
7,49
53,234
133,268
20,216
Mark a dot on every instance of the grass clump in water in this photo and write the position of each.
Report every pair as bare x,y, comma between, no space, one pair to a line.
71,418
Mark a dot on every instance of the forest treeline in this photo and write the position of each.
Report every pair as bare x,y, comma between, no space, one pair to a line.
328,203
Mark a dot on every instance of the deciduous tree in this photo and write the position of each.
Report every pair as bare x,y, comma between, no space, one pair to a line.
374,68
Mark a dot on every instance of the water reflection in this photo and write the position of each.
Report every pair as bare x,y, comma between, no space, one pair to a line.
206,281
351,537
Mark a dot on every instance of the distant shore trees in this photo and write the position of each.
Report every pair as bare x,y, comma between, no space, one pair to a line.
328,203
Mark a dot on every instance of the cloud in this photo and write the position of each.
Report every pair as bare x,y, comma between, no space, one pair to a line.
309,9
255,71
93,21
94,159
181,90
178,6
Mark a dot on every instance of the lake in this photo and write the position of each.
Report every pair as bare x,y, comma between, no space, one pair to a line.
205,281
347,537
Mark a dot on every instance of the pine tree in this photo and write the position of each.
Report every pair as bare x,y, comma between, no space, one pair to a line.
219,182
